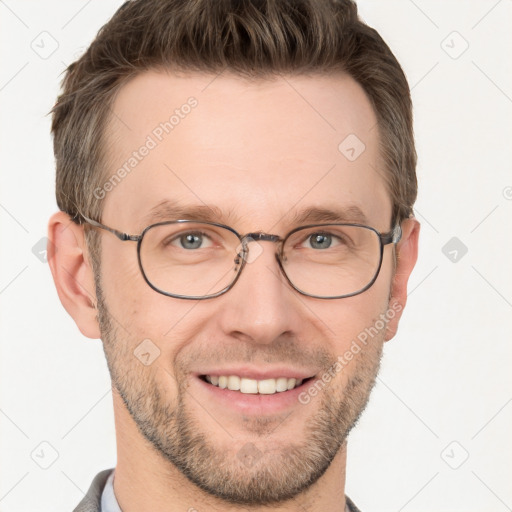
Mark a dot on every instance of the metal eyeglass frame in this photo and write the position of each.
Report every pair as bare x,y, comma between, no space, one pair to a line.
391,237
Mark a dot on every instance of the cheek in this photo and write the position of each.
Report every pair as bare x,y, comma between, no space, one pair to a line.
123,286
130,301
144,314
360,329
343,320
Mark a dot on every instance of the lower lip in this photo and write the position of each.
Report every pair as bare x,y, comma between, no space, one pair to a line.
247,403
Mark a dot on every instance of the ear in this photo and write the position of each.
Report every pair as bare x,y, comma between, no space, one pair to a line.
406,256
72,272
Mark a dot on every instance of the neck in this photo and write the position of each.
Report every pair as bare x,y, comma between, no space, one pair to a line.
144,480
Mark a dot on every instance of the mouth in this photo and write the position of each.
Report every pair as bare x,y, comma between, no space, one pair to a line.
249,386
252,391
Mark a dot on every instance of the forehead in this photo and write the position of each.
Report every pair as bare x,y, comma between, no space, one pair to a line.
255,150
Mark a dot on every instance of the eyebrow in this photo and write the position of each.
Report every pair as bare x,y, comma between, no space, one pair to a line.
167,210
350,213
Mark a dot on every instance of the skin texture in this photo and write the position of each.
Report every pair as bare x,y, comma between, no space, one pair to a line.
259,151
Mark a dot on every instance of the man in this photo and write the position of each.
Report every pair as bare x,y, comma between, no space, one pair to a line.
236,183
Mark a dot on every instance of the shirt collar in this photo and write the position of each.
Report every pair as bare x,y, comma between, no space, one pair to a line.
108,498
109,502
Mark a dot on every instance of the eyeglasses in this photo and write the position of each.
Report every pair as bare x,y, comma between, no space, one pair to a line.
187,259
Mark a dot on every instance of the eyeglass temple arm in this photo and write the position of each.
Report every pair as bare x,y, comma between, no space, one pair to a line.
393,237
122,236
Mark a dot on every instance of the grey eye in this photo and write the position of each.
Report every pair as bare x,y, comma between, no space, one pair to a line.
320,241
191,241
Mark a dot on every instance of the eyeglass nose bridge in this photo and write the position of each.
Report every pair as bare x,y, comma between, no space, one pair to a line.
259,237
262,237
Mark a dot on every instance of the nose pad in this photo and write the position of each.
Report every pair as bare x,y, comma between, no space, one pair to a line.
239,257
249,253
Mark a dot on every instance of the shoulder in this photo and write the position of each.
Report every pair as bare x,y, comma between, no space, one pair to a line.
92,500
350,507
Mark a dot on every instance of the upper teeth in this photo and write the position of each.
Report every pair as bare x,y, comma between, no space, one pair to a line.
265,387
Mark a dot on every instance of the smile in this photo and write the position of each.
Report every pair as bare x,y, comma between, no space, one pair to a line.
253,386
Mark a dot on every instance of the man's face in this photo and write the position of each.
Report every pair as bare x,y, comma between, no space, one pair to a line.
257,153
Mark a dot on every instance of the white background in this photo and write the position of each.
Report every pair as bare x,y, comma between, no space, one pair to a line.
444,392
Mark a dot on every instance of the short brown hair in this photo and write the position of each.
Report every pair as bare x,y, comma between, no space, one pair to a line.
253,38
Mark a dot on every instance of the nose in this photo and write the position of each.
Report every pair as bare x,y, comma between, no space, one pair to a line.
261,306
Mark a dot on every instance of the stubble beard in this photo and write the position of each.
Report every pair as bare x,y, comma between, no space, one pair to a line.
278,473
